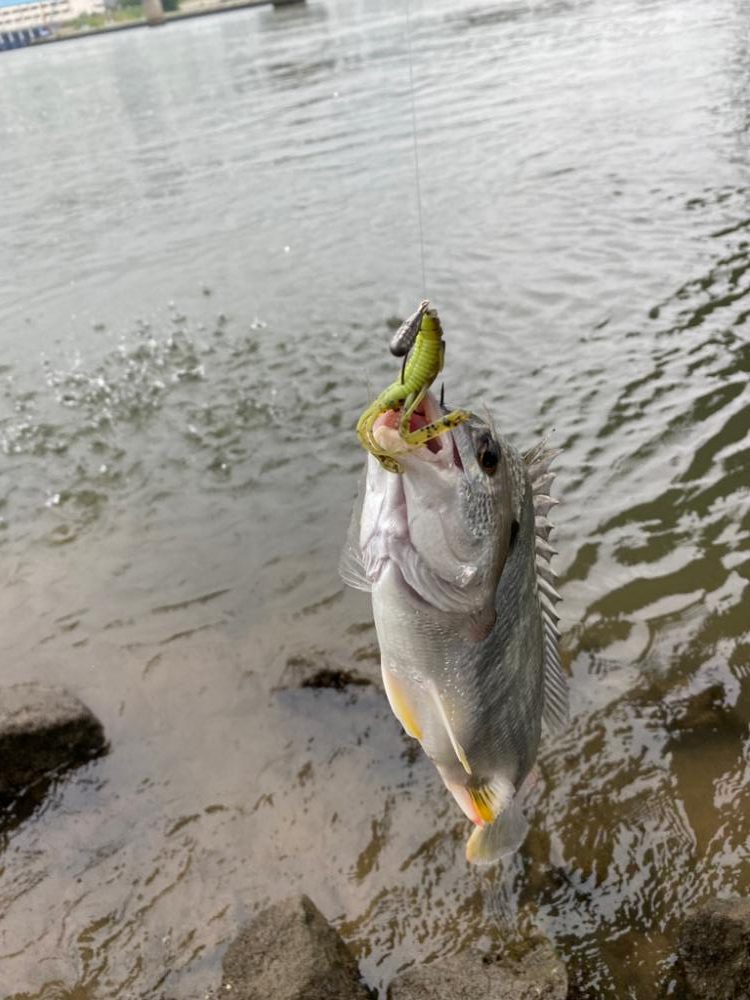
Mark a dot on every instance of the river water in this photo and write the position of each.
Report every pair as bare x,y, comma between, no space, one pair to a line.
208,233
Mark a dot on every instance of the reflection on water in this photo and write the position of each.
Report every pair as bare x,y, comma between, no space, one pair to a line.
207,252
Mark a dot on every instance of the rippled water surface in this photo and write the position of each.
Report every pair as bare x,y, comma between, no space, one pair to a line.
207,233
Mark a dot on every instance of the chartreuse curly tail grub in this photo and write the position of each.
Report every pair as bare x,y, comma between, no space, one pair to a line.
424,331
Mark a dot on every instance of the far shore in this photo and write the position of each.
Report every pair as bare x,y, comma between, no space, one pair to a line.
197,8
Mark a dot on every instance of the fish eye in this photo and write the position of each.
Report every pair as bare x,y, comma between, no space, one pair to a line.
488,455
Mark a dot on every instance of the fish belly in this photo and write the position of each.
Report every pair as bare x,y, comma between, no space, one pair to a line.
415,647
424,667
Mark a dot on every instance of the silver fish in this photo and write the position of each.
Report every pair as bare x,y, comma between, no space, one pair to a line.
455,553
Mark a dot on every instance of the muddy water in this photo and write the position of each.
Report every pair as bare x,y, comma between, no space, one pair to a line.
207,233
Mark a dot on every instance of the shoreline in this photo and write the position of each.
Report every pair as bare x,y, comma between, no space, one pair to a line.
178,15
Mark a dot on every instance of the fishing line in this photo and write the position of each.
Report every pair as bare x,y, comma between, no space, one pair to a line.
416,148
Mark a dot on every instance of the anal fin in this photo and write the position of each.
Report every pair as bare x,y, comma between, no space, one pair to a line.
491,797
489,843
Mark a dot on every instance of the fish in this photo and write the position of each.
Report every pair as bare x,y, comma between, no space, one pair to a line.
455,554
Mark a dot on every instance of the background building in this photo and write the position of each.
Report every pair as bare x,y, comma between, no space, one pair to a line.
17,14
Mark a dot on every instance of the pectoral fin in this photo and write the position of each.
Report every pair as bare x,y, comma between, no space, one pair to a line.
351,564
479,625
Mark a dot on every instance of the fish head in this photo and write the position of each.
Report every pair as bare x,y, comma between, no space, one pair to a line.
447,520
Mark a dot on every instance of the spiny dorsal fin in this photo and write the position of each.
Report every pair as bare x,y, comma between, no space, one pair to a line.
539,458
538,461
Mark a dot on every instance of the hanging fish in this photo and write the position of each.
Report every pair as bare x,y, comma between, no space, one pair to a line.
454,551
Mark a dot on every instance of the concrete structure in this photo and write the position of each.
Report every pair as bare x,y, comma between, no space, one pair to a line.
17,14
153,11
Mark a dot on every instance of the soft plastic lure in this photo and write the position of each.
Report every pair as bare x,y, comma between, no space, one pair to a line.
424,332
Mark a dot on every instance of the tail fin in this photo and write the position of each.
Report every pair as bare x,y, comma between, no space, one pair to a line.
489,843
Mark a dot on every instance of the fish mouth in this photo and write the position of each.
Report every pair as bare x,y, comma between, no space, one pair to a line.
439,450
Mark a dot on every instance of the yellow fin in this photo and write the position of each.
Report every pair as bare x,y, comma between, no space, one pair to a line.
400,704
482,805
461,794
491,797
493,841
457,748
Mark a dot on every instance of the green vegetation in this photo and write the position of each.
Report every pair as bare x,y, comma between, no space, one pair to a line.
131,12
128,10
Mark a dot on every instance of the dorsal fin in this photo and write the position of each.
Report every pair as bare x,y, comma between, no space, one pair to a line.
538,461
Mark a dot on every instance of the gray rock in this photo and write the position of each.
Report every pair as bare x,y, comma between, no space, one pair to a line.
43,729
291,952
539,975
714,951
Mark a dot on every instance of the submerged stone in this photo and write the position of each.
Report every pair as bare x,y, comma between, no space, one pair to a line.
42,730
336,679
291,952
714,951
314,671
540,975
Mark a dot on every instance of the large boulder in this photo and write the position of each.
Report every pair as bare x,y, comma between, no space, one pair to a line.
714,951
43,729
291,952
540,975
